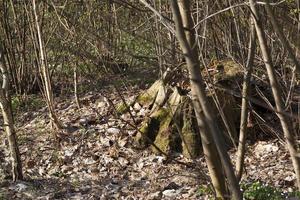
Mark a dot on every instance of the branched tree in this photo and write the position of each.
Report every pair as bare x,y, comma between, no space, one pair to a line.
5,103
43,66
277,94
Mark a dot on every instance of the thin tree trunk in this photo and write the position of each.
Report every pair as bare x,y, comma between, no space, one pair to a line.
5,102
298,27
285,123
45,72
76,86
198,91
244,109
209,148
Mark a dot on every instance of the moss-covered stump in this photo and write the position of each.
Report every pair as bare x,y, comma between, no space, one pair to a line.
172,125
228,75
228,72
173,128
161,97
191,144
167,139
124,107
148,97
155,96
163,126
149,128
230,118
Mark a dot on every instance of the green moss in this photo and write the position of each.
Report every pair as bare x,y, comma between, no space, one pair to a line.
145,99
160,114
26,103
122,108
230,71
163,142
204,190
141,138
191,141
148,97
190,137
167,139
150,128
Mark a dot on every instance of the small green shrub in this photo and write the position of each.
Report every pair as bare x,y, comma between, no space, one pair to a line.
260,191
15,103
204,190
253,191
28,103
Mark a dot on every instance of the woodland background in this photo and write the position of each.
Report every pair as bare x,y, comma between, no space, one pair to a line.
135,99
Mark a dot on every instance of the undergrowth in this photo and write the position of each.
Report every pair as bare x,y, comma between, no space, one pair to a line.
253,191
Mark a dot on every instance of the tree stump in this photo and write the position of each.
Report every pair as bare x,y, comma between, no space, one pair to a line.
171,125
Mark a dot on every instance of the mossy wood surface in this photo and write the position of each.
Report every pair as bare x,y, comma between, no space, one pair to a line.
172,125
191,145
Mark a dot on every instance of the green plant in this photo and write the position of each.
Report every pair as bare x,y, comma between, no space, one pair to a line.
260,191
15,103
294,194
26,103
59,174
204,190
1,196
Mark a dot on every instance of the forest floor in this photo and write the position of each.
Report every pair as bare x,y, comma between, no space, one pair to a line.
96,158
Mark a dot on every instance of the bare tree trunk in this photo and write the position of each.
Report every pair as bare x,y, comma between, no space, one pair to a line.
158,39
285,123
5,102
197,86
76,86
209,148
244,109
45,72
298,26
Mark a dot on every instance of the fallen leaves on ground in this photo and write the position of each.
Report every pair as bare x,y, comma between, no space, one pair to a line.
95,158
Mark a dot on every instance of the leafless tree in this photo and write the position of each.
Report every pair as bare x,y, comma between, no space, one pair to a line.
285,123
45,70
5,104
201,103
245,102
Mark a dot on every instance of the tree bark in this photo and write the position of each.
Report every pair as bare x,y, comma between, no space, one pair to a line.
198,92
209,148
244,108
